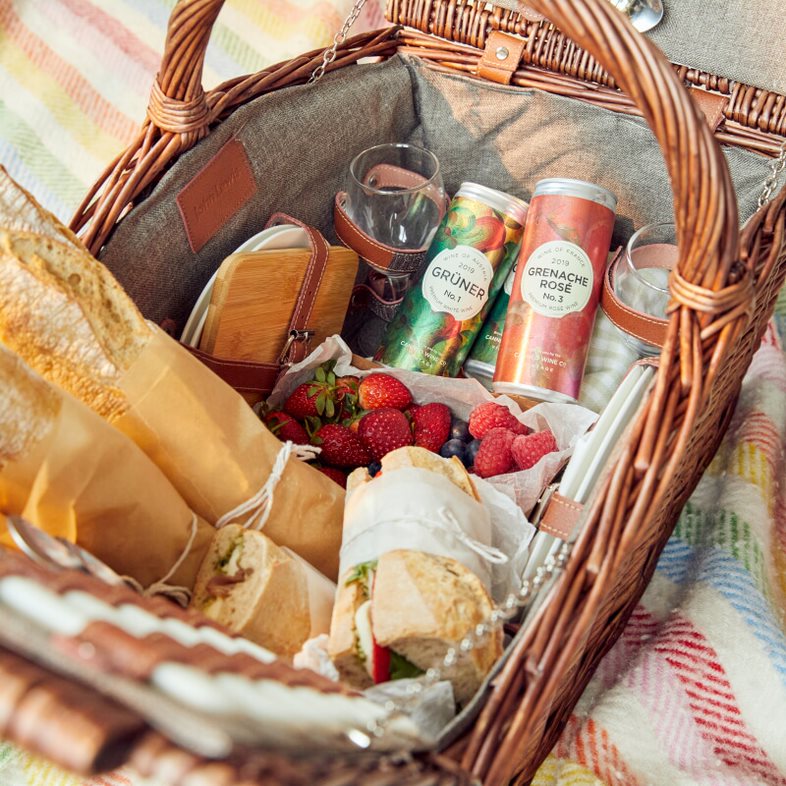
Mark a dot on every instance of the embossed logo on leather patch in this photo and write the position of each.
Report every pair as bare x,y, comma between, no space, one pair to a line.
216,193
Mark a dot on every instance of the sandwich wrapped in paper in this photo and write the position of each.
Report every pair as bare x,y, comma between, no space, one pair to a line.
262,591
65,469
415,574
68,319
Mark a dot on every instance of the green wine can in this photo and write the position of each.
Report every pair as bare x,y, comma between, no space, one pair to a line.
483,355
466,265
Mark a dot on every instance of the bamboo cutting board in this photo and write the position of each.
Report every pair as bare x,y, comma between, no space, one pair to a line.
255,293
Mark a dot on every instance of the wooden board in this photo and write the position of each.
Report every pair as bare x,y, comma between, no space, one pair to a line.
254,296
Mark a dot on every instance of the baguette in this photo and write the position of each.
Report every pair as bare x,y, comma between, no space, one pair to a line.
254,588
65,315
419,604
73,475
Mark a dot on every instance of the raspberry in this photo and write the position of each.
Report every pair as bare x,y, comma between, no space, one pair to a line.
494,456
492,415
529,449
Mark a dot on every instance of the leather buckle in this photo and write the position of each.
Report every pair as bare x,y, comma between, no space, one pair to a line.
304,336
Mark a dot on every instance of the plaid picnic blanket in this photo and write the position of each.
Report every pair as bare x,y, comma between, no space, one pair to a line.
694,692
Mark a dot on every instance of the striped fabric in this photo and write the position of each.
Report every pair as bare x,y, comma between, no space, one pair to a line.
695,690
75,75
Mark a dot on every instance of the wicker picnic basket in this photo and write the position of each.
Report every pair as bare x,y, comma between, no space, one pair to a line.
723,290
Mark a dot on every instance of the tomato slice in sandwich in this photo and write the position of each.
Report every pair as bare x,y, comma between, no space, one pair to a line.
380,661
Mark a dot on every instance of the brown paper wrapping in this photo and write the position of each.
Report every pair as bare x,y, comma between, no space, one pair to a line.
218,454
87,482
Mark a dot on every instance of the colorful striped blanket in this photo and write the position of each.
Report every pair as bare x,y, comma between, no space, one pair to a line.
695,690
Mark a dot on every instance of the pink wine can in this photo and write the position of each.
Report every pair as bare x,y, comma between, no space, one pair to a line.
556,290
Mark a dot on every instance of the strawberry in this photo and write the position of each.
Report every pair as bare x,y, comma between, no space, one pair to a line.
529,449
432,426
383,430
340,447
286,428
324,396
335,474
377,391
494,454
346,395
492,415
302,402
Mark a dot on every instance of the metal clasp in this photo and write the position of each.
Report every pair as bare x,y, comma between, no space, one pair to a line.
294,335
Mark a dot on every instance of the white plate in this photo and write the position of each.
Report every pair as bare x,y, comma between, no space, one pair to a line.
282,236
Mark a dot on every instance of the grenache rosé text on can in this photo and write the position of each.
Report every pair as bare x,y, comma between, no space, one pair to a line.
483,355
467,262
556,290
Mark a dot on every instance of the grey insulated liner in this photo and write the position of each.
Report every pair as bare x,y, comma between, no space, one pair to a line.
300,141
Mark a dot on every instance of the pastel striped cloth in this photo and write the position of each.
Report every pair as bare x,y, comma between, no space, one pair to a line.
75,75
694,692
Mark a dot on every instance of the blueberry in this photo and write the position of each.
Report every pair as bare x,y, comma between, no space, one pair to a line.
459,429
453,447
471,452
373,468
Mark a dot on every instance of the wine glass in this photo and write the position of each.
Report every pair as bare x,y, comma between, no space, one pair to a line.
642,281
395,194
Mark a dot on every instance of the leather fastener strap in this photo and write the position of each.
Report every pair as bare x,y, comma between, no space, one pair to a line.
712,106
649,329
245,376
561,516
300,332
501,57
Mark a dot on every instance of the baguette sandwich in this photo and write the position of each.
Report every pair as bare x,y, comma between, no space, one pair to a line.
254,588
398,615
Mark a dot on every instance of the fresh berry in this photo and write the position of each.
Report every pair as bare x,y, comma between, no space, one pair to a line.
377,391
459,429
383,430
492,415
302,402
323,396
286,428
431,424
346,395
494,456
529,449
373,468
341,447
453,447
471,452
335,474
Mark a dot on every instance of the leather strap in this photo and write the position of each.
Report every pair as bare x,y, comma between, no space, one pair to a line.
245,376
364,296
561,516
299,329
649,329
712,106
248,376
501,57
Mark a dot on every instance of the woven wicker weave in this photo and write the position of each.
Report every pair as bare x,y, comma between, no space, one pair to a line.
723,294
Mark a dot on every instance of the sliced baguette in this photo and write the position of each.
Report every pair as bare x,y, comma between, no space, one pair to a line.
342,644
65,315
20,212
268,601
28,407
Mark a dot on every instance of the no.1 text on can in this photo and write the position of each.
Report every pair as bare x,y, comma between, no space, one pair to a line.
466,264
556,290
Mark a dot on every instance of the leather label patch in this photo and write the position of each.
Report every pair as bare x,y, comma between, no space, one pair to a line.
216,193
